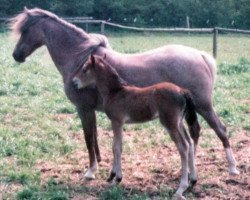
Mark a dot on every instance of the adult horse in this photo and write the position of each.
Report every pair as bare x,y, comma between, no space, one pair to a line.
70,47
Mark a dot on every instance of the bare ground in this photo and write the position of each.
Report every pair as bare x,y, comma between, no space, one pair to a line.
154,168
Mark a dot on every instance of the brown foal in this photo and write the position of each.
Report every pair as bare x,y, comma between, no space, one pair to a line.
129,104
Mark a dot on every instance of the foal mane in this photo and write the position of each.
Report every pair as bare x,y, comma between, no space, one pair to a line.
113,71
29,17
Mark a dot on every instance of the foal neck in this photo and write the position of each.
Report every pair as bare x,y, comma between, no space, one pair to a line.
108,81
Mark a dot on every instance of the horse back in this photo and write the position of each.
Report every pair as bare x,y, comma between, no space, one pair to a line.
173,63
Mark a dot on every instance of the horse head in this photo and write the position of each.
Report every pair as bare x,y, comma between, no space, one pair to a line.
25,25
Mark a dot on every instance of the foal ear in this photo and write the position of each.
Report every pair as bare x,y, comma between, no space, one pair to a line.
92,58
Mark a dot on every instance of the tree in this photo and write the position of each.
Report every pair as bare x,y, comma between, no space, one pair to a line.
166,13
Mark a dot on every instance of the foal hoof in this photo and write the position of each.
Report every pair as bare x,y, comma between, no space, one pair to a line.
192,180
111,177
118,179
192,183
98,158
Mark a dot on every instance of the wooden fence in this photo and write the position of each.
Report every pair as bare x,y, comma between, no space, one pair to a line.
215,31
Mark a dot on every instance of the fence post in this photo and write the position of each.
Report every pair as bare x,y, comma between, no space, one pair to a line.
87,27
102,27
215,42
187,22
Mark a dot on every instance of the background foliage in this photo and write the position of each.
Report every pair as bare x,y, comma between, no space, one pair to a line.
167,13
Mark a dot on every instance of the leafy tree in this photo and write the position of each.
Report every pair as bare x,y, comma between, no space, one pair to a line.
165,13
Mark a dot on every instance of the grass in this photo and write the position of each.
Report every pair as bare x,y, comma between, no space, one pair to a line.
38,123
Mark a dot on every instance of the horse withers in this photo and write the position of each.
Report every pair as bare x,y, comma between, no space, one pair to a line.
129,104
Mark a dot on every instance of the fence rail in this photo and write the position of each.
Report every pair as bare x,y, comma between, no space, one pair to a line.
215,31
198,30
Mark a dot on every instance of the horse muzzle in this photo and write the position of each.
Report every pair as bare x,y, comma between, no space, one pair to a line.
18,57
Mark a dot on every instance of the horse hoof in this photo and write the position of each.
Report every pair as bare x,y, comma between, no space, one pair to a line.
178,197
88,178
89,175
234,171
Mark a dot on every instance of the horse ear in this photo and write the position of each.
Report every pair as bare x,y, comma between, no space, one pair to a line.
25,9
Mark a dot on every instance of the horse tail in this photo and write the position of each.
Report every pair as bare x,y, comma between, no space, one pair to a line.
191,117
211,63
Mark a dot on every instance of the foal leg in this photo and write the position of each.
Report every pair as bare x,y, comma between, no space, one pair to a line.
213,120
183,148
172,124
88,120
116,171
191,158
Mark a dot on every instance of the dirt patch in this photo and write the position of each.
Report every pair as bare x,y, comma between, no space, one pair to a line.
153,166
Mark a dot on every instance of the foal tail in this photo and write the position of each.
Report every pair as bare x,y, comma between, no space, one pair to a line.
190,113
191,117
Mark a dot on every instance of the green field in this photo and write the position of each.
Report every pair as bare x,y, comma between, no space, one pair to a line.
38,124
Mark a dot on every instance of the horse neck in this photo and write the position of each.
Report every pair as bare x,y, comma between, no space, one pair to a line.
108,82
64,46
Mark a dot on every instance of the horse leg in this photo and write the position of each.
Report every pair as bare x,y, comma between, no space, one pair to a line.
116,171
214,122
95,133
88,120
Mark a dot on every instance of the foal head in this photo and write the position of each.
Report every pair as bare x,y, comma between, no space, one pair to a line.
97,70
85,75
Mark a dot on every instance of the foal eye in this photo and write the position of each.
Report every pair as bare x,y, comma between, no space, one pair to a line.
84,71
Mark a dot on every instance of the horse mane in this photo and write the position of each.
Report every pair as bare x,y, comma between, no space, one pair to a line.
28,17
90,42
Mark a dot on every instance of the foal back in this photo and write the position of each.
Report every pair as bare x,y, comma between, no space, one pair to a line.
134,105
